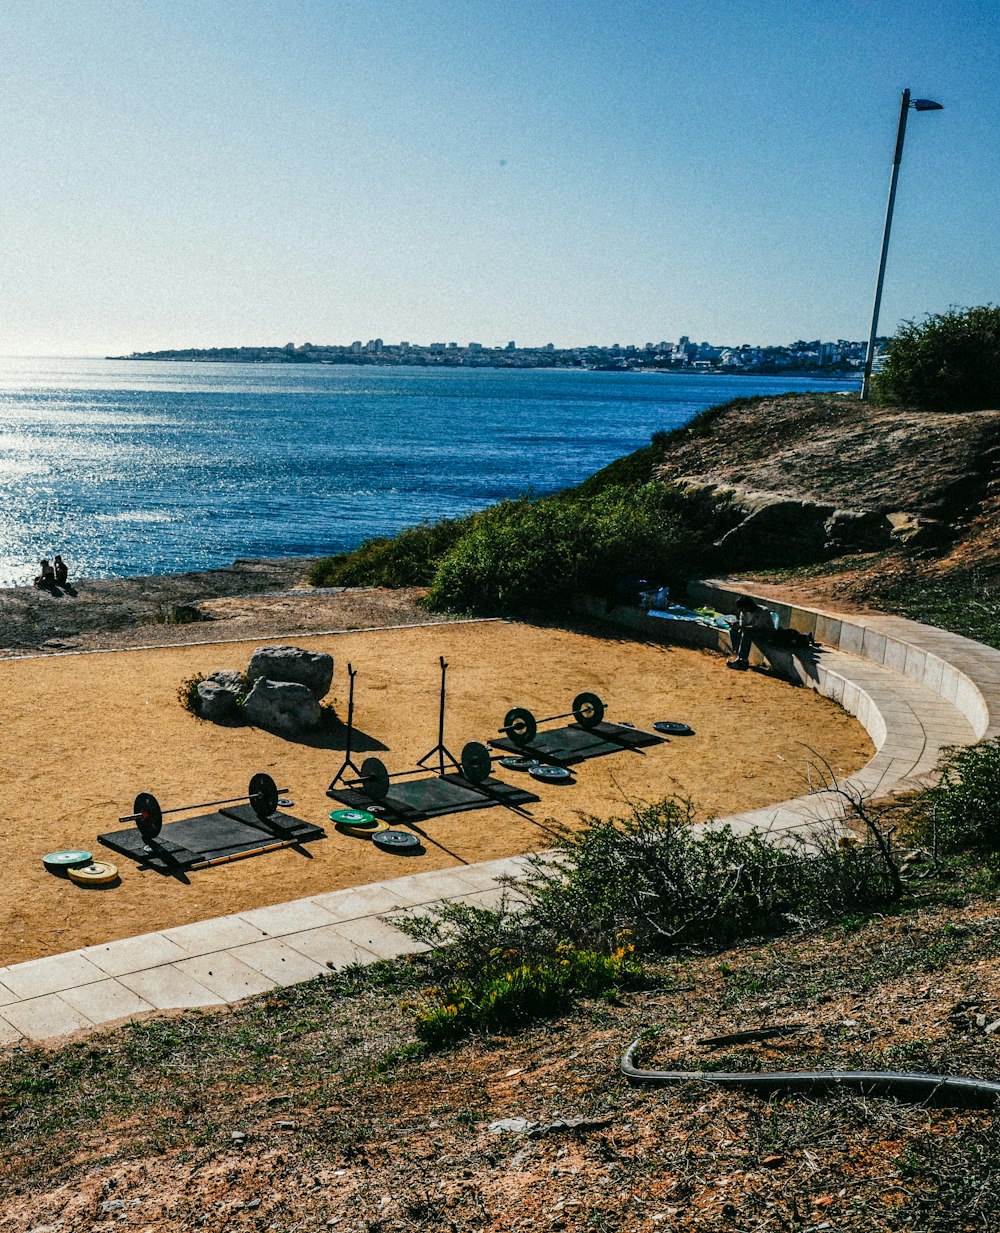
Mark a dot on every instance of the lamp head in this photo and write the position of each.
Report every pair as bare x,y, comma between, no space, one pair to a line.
926,104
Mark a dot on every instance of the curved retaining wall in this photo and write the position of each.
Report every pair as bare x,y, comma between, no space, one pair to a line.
964,673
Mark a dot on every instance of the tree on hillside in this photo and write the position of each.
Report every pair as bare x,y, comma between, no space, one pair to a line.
948,362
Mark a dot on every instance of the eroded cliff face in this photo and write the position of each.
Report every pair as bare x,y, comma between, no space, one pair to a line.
801,479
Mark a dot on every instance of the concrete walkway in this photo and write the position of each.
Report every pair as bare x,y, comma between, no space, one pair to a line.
915,689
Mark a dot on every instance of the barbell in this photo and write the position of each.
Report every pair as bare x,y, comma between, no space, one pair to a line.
376,779
522,727
148,815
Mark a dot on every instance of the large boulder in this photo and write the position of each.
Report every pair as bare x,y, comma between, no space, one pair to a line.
284,707
314,669
219,694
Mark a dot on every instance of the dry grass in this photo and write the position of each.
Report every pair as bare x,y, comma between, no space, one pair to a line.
348,1124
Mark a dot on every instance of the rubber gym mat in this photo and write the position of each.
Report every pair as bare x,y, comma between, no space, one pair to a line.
573,743
208,837
435,796
277,824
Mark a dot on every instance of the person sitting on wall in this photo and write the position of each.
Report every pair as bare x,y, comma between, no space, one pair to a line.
60,570
46,580
754,624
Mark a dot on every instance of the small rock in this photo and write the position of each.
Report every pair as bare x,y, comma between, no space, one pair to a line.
512,1126
238,1136
112,1205
992,1027
980,1021
286,1125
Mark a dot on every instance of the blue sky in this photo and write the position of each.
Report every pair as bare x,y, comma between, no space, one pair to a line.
204,173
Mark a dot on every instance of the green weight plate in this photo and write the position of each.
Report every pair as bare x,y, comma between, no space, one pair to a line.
263,795
672,728
396,841
476,762
352,817
60,862
375,778
520,725
550,774
588,710
97,873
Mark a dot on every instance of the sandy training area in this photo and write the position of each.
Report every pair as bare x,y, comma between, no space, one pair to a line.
84,733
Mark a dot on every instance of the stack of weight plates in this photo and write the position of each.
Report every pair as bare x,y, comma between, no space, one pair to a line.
550,774
357,822
401,842
62,862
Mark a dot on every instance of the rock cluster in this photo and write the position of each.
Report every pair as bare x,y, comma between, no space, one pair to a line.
280,691
755,527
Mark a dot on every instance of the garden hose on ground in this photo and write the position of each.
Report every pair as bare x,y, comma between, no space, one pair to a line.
943,1090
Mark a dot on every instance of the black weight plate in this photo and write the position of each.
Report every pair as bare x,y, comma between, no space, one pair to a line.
59,862
375,778
476,762
588,710
672,728
520,725
396,841
517,763
149,817
263,795
550,774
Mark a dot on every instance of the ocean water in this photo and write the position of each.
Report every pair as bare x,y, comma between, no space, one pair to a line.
141,468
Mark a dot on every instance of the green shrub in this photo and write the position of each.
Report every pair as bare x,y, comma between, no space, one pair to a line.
513,988
948,362
187,693
522,557
962,811
407,559
651,882
668,884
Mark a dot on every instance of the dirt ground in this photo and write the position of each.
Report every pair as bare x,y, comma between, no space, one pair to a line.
84,733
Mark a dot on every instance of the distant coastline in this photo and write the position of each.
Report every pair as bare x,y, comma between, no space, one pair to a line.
638,363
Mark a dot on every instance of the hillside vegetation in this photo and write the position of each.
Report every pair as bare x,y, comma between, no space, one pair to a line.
892,507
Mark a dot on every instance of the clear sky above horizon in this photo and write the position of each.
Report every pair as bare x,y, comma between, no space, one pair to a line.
199,173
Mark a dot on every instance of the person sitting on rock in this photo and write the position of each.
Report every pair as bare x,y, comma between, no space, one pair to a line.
753,624
46,580
60,570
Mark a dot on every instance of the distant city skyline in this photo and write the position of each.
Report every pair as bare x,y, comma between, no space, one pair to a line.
201,173
686,354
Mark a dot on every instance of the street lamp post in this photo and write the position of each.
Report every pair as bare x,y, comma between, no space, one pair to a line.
919,104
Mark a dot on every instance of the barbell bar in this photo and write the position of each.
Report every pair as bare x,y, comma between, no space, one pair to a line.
375,778
148,815
522,727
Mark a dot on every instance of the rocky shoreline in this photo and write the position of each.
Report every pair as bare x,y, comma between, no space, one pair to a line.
250,598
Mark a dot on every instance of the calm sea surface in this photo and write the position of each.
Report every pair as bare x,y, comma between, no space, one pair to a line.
136,468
